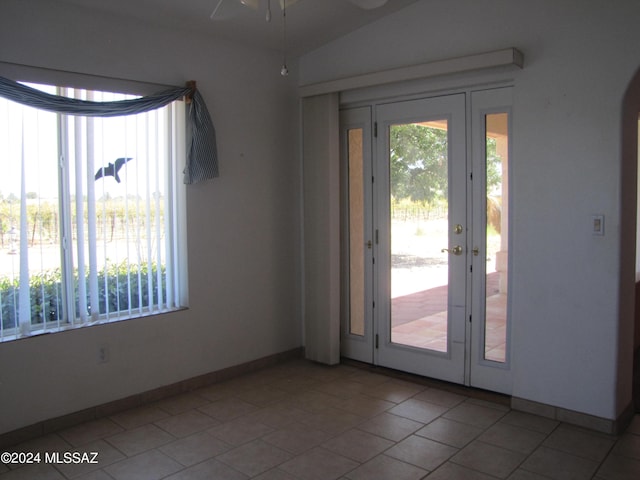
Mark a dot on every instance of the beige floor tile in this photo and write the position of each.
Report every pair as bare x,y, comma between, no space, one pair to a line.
262,396
384,467
132,442
333,421
210,470
36,471
275,474
186,423
422,452
580,442
451,433
474,414
217,391
146,466
138,416
90,431
319,464
395,391
95,475
451,471
255,457
358,445
628,446
303,421
311,401
46,443
195,448
503,407
391,427
106,455
296,385
369,378
341,388
181,403
240,431
530,421
227,409
277,415
512,438
489,459
525,475
559,465
440,397
296,438
418,410
619,468
364,405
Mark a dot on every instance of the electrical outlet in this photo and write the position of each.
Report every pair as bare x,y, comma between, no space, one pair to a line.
103,354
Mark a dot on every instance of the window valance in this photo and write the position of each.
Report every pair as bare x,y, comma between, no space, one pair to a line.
202,156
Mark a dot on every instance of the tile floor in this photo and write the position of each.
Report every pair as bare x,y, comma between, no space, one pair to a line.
304,421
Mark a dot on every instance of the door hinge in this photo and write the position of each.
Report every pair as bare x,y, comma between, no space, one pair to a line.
375,129
470,268
469,318
376,341
471,176
377,236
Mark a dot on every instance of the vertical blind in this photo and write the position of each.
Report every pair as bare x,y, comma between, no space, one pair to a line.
87,215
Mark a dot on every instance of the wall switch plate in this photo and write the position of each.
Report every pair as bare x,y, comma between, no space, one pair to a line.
597,224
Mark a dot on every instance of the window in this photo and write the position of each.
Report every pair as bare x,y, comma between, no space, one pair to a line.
90,212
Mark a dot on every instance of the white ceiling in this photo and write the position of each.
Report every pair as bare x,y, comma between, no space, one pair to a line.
310,23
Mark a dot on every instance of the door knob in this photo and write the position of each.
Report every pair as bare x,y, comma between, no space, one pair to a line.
457,250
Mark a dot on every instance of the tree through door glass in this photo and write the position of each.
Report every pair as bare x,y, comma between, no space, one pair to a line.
419,234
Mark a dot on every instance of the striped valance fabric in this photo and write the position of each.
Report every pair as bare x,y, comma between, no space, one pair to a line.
202,157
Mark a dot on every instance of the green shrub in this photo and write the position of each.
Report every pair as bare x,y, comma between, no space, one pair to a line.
120,288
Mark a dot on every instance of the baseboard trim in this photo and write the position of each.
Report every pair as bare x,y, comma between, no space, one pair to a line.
110,408
592,422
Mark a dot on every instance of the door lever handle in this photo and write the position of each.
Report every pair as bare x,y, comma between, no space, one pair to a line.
457,250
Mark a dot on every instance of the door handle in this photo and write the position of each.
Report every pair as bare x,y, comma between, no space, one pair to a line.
457,250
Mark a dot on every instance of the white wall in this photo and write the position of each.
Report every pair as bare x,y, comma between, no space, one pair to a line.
243,228
579,59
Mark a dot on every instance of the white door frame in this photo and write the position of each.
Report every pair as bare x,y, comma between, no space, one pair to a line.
464,363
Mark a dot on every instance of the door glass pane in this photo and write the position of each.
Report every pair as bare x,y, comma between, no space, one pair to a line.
419,231
497,164
356,232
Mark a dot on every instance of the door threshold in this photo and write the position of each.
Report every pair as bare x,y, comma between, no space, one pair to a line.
472,392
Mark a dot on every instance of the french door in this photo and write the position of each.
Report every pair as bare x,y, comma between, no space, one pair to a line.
425,236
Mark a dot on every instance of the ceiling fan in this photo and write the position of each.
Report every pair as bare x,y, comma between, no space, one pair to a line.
255,4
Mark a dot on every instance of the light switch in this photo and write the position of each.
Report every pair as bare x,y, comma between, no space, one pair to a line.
597,224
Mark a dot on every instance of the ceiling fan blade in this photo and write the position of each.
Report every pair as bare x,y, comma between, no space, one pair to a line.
289,3
215,10
368,4
251,3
